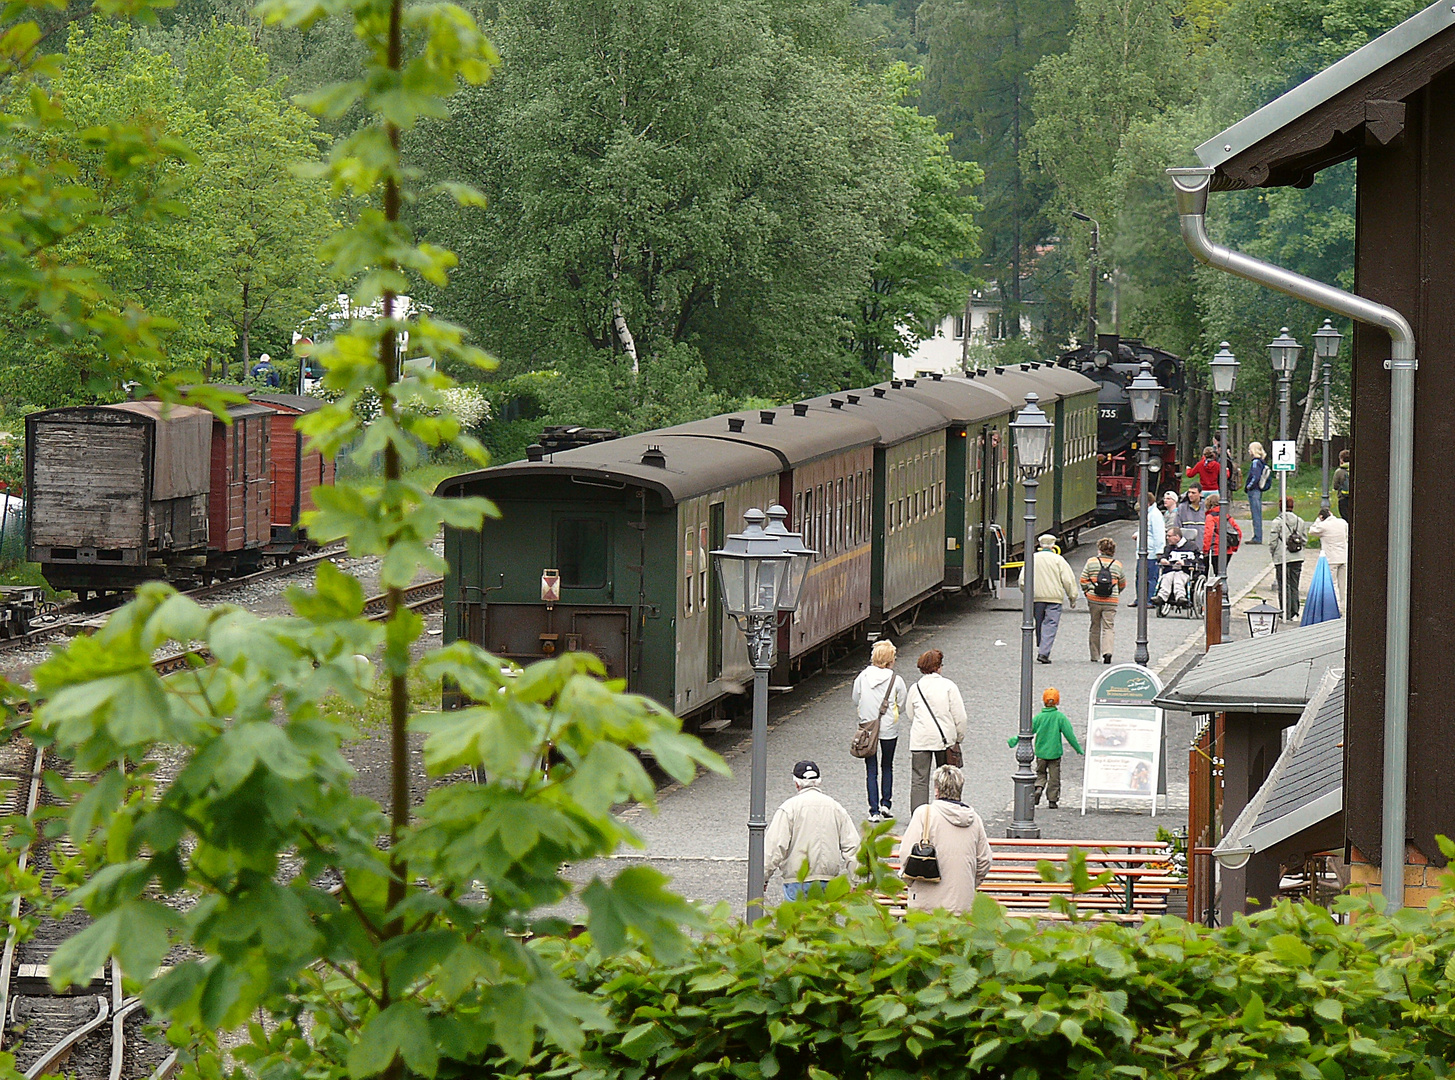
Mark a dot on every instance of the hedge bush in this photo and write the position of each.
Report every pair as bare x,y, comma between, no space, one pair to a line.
840,988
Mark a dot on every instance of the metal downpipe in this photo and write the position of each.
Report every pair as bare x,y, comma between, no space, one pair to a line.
1192,187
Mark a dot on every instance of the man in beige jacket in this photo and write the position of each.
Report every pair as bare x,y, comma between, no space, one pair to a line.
1054,582
812,830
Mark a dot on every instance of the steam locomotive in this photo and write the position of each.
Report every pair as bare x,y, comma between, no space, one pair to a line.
1112,365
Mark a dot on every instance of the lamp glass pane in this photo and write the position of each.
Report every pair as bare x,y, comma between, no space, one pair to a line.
797,575
1032,444
733,583
771,575
1223,376
1144,401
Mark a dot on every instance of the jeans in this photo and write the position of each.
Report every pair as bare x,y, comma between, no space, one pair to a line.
798,890
1048,621
872,769
1255,511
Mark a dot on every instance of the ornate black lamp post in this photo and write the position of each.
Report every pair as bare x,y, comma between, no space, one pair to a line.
1225,379
1146,395
1283,353
1033,453
761,573
1326,348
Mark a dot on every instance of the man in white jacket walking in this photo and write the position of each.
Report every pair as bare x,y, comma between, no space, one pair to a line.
811,837
936,723
1055,581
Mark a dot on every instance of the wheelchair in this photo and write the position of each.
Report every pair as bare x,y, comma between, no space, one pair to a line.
1187,596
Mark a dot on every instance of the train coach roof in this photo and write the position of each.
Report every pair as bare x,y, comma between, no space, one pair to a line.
693,466
796,440
1048,381
895,416
959,401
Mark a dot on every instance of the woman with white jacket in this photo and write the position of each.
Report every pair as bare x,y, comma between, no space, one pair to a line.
936,723
870,690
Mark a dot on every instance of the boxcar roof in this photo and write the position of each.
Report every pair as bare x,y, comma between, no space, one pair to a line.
896,416
245,409
1048,382
796,440
298,403
694,466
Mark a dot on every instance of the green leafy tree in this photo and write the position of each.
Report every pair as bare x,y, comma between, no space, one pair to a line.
273,219
141,246
931,233
382,936
676,178
978,86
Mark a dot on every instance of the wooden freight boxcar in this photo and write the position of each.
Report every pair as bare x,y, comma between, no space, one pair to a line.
240,506
117,493
296,470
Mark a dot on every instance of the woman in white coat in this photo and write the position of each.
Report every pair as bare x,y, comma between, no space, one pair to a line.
871,689
936,723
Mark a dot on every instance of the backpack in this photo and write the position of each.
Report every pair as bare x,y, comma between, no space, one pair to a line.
1265,478
1105,583
1293,542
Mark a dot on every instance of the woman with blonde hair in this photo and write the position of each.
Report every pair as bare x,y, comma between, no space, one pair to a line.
1260,476
879,692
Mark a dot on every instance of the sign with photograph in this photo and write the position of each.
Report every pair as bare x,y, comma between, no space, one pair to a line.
1124,739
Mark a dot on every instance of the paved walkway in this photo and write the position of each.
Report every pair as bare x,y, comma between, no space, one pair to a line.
699,835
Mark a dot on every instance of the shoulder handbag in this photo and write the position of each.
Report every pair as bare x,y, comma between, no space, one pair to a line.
953,755
922,863
866,740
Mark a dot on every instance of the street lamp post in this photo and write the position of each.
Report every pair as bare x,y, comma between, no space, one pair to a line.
1225,379
760,573
1145,394
1033,451
1095,273
1283,352
1326,348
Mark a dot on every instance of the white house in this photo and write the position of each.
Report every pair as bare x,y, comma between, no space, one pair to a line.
942,351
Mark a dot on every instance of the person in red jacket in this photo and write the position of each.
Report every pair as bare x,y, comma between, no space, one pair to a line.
1206,469
1210,532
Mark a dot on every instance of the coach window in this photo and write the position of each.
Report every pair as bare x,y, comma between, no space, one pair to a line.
689,565
581,552
840,541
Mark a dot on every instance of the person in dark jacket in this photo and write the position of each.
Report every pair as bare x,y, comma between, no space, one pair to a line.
1048,728
1191,513
1259,477
1344,485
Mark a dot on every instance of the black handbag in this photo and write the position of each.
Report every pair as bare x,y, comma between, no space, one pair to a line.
922,863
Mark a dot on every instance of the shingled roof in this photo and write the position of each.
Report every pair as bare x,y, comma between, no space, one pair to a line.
1306,787
1274,674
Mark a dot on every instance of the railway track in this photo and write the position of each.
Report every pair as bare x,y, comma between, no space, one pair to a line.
74,615
91,1031
94,1029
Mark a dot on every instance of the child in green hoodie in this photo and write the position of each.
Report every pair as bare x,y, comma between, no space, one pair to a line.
1047,729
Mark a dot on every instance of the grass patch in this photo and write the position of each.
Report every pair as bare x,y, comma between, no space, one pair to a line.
371,719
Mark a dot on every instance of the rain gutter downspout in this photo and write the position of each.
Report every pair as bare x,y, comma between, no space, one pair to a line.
1192,186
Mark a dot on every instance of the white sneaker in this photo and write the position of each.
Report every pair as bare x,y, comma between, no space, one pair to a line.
875,818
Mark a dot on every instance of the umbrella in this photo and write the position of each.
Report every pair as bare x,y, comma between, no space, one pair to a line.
1322,603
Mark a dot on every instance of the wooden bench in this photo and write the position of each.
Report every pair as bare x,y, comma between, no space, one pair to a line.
1140,878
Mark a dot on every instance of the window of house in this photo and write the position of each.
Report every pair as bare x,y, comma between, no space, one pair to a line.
581,552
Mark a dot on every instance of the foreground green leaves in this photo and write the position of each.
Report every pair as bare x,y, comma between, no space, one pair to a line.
845,990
